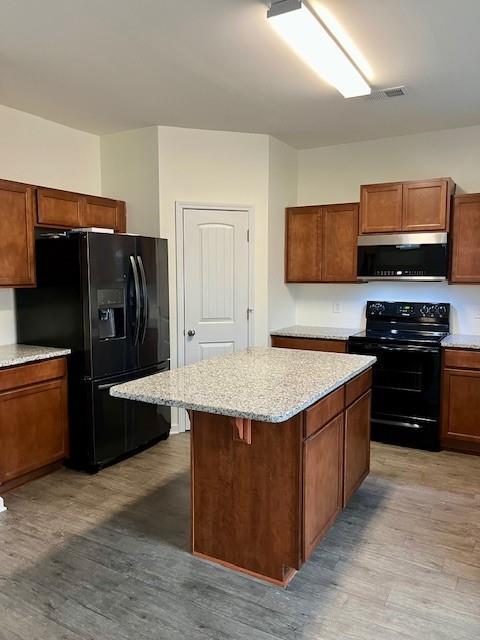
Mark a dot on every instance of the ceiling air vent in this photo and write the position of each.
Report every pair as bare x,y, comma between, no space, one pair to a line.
391,92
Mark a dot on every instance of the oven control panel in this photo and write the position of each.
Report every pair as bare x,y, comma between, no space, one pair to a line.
436,311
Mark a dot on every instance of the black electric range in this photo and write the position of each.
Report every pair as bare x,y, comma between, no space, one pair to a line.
406,339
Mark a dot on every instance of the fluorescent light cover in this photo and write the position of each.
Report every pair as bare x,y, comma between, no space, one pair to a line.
304,33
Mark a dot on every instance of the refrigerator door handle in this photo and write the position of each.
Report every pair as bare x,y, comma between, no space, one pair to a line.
145,298
136,283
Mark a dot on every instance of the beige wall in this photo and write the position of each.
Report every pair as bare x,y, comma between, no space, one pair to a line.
216,167
333,174
42,152
130,173
282,192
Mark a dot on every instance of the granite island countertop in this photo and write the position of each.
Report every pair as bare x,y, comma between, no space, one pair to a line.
462,341
322,333
12,355
265,384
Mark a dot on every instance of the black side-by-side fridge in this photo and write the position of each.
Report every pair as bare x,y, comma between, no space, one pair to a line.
105,296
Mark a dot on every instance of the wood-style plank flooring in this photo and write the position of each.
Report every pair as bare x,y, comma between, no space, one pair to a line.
106,557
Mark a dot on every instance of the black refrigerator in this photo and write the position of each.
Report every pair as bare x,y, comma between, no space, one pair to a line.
105,296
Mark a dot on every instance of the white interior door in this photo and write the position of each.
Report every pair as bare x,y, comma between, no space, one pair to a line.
216,282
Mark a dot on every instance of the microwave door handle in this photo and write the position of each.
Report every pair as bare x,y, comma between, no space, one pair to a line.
145,298
136,283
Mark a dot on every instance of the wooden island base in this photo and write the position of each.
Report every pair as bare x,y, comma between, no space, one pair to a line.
264,494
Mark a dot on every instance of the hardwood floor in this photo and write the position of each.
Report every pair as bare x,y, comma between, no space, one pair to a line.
105,557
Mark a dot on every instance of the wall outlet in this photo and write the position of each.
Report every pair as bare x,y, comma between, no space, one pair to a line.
337,308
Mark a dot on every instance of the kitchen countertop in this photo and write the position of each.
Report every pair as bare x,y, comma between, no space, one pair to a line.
265,384
462,341
322,333
15,354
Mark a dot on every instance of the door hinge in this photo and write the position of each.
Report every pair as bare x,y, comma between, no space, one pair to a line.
248,235
249,311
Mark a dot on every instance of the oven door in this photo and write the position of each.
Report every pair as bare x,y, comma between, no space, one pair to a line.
406,393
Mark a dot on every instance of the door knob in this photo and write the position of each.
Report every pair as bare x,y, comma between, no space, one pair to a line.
191,332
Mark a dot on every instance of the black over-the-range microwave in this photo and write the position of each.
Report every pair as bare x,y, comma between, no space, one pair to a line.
406,256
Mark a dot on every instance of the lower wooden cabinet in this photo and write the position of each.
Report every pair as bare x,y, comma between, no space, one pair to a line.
323,482
17,242
33,420
357,445
461,401
310,344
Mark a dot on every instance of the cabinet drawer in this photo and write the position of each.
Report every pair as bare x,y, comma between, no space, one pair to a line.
59,208
28,374
460,359
356,387
323,411
310,344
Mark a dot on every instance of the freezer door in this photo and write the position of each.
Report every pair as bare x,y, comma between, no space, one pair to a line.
147,422
152,261
112,287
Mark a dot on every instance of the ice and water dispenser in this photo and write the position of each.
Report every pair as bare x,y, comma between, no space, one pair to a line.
111,313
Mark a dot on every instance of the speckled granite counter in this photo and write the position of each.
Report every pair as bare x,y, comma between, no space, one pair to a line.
461,341
12,355
322,333
265,384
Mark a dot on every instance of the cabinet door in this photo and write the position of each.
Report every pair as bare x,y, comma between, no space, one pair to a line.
381,208
33,428
426,206
340,233
357,445
59,208
461,405
466,239
303,244
322,482
102,212
17,244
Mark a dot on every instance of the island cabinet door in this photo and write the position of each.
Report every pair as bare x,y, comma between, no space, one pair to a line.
322,482
357,445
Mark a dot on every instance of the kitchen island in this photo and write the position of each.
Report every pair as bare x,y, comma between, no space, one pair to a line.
280,442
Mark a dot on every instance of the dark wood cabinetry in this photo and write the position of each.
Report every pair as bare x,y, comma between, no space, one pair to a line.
466,239
310,344
33,420
414,206
381,208
461,400
321,243
322,482
357,445
24,207
17,244
262,505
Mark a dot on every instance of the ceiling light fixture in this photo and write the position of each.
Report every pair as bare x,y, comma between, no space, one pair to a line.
304,31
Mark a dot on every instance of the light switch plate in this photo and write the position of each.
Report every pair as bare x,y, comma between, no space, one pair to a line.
337,307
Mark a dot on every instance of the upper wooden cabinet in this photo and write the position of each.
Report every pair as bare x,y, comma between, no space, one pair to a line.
17,243
321,243
381,208
56,208
466,239
25,206
406,206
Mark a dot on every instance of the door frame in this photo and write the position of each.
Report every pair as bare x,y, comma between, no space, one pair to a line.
180,208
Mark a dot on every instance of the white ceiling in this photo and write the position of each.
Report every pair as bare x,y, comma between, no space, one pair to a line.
108,65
